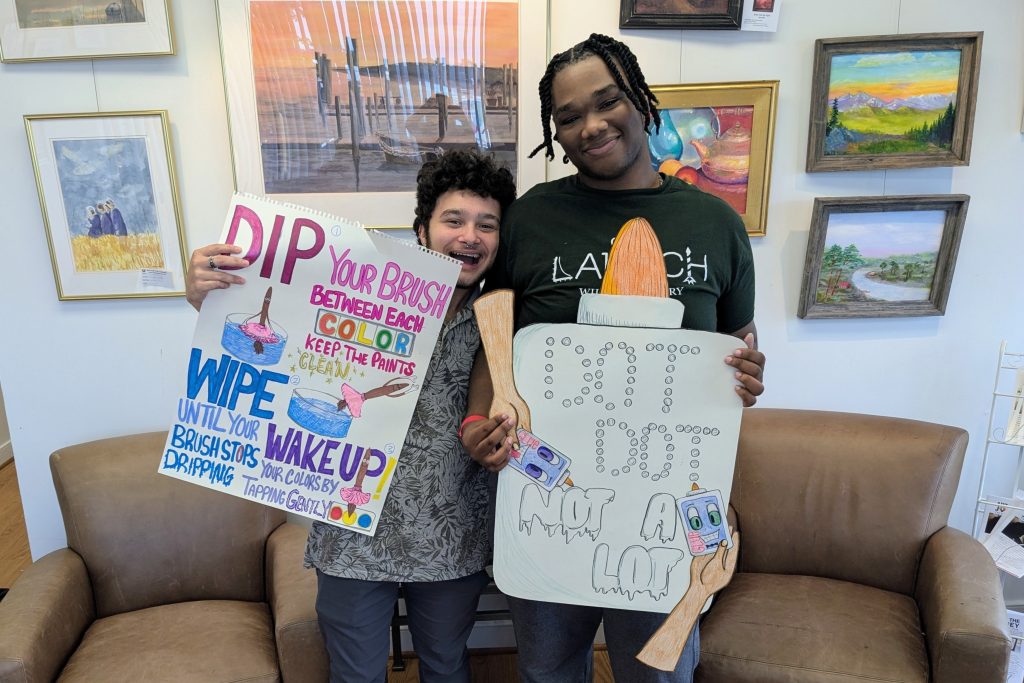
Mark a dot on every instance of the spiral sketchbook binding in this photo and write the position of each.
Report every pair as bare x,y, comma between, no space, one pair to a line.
414,245
298,207
332,218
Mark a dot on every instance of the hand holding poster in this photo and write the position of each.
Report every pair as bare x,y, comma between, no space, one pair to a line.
301,383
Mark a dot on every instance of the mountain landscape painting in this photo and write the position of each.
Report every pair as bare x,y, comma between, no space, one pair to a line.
898,102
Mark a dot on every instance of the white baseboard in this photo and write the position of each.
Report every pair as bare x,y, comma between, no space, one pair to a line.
6,452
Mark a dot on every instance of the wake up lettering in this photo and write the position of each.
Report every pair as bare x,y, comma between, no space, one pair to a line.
365,316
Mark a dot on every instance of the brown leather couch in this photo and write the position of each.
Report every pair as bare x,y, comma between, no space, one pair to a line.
847,571
162,580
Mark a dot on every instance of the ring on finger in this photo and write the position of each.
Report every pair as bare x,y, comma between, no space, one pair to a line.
213,266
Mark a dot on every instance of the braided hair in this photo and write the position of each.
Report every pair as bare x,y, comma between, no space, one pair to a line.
620,61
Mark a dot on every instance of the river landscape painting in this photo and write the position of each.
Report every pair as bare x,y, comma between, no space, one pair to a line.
893,102
894,260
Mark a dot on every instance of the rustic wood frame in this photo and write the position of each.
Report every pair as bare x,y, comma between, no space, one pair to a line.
955,206
969,45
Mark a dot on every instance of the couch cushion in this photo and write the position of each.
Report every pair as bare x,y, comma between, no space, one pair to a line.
213,641
148,539
771,628
847,496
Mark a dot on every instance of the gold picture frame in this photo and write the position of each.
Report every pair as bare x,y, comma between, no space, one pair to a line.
719,137
37,30
109,202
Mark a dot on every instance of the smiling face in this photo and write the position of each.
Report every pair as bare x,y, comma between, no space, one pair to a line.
464,226
599,129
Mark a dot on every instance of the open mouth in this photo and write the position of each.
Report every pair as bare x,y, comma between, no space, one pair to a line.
466,257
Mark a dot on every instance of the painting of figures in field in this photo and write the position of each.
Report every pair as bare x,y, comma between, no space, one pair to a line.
64,13
107,191
901,102
355,96
885,256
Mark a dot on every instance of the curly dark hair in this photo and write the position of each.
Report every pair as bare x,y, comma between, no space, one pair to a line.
461,170
620,60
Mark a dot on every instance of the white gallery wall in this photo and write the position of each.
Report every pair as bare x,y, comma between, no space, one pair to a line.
82,370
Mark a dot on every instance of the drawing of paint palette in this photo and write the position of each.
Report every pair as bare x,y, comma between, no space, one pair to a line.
539,461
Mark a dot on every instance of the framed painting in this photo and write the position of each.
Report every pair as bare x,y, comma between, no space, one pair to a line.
874,257
110,203
882,102
718,136
675,14
336,105
38,30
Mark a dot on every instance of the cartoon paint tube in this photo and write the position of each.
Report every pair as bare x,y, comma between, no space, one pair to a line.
703,514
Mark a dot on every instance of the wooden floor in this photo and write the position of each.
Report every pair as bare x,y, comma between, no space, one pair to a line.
492,667
14,555
498,667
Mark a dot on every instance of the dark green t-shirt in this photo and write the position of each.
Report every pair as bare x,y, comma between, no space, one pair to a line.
555,241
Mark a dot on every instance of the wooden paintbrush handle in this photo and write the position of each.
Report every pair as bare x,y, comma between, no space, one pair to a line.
494,313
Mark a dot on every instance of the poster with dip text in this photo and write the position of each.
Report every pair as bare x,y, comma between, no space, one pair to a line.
301,383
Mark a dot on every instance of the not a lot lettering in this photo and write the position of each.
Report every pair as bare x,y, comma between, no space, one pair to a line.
228,378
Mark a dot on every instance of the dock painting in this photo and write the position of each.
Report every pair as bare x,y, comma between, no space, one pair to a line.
352,96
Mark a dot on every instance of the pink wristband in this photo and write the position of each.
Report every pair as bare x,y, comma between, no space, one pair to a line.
470,418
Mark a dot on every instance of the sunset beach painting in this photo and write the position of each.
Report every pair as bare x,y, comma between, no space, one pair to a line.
355,96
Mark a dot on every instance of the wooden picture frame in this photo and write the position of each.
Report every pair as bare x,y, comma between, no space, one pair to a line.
46,30
291,127
881,102
876,257
681,14
731,123
109,202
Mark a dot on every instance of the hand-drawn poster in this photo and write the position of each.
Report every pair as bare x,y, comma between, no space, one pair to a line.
301,383
628,477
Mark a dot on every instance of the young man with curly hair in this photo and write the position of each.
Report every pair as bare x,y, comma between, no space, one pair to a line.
433,535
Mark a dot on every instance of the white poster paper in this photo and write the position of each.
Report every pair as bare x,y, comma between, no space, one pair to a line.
301,383
644,424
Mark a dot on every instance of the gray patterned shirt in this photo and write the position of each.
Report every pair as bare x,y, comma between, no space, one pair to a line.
434,523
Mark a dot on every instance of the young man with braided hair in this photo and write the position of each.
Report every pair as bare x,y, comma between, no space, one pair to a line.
554,247
433,536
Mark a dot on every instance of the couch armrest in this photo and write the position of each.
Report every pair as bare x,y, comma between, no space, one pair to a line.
291,592
43,617
962,610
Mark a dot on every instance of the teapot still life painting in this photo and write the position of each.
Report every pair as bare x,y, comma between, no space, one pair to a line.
718,137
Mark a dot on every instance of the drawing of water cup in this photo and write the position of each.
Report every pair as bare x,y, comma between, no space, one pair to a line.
252,342
318,412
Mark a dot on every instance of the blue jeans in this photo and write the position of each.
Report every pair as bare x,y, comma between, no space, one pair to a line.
355,618
556,642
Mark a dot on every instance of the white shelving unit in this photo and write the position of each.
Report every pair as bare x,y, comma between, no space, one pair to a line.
997,441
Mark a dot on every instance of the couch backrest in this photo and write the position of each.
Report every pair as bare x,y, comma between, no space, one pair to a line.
842,495
148,539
